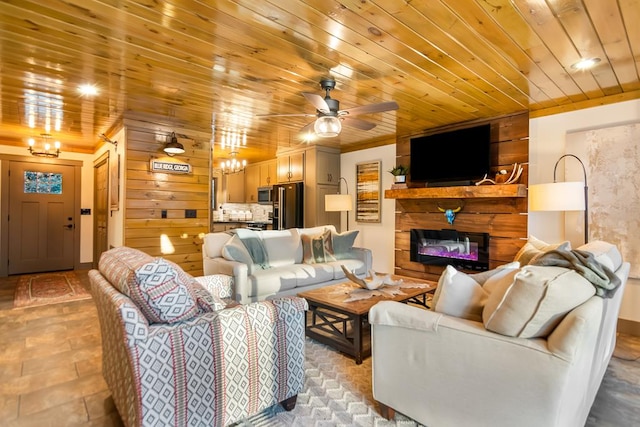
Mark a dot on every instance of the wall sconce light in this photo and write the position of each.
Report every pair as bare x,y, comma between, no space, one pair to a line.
339,202
173,147
110,141
327,126
46,152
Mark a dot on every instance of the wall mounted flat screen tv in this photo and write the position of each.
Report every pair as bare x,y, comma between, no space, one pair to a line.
457,157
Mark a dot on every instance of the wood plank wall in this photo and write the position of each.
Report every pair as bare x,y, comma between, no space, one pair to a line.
503,218
147,194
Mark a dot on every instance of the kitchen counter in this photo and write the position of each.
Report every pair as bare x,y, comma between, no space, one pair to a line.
242,221
219,226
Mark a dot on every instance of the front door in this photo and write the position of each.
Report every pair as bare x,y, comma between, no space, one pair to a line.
41,217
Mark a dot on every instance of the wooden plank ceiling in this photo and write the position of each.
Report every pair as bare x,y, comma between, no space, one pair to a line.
218,64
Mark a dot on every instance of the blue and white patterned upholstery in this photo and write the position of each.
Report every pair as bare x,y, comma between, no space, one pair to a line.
215,368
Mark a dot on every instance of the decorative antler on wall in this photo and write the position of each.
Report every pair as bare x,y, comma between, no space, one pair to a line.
450,214
513,178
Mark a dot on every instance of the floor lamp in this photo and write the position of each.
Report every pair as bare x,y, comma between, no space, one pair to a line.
562,196
339,202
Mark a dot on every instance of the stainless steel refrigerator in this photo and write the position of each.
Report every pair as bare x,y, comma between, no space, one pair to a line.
288,206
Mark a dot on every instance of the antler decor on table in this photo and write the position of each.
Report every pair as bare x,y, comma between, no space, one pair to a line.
513,178
372,281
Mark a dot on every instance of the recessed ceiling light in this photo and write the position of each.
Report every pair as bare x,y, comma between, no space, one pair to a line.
585,63
88,89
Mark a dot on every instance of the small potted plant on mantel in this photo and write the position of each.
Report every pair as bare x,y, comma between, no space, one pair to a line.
400,173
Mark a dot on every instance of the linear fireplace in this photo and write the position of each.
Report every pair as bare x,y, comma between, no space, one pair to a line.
461,249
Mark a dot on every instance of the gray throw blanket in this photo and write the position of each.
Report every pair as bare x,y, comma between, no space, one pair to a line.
585,264
252,241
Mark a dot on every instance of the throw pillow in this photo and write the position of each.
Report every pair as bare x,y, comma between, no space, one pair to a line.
317,248
163,292
536,247
235,250
534,301
464,295
459,295
342,243
220,285
207,302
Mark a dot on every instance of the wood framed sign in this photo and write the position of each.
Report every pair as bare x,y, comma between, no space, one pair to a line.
169,167
368,203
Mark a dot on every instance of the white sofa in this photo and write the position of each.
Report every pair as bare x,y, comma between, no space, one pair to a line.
443,370
284,271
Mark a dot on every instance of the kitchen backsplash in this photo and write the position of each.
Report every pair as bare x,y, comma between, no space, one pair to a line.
243,212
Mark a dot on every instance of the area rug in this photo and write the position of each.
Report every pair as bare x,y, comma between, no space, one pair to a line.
337,392
48,288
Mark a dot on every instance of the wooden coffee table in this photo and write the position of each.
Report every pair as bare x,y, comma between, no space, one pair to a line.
344,325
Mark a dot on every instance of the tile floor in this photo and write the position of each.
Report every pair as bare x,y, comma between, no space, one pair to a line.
50,364
50,369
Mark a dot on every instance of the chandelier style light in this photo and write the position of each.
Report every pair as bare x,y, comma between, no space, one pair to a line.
327,126
46,144
232,165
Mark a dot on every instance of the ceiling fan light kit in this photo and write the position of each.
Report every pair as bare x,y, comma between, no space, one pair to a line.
330,117
327,126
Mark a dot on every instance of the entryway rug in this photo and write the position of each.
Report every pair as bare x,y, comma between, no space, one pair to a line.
48,288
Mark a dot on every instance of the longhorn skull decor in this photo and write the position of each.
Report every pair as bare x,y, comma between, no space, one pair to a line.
450,214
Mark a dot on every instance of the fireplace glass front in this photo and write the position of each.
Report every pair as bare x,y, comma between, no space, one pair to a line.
465,250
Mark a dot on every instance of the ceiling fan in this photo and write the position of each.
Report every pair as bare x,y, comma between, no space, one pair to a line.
329,115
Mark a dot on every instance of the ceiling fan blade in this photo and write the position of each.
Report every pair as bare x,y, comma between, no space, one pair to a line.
357,123
371,108
286,115
307,128
318,102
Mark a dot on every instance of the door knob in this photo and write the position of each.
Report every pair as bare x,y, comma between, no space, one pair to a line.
69,226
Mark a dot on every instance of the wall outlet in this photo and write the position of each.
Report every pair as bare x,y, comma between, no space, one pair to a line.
163,213
190,213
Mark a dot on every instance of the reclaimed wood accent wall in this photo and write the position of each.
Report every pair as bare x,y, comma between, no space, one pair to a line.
148,194
504,218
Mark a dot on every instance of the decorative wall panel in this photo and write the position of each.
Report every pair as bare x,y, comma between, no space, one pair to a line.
612,160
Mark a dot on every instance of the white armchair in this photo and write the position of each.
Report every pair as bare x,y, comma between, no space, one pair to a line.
443,370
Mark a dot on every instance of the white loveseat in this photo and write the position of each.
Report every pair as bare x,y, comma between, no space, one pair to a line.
280,265
443,370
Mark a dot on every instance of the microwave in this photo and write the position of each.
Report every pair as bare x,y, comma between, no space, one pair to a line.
264,195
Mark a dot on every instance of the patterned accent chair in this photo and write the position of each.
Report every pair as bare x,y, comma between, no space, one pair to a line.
175,355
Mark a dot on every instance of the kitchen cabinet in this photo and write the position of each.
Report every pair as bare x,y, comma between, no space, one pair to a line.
251,183
327,166
235,187
322,176
267,173
290,167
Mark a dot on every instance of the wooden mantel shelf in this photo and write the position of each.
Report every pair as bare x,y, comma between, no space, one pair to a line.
464,192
